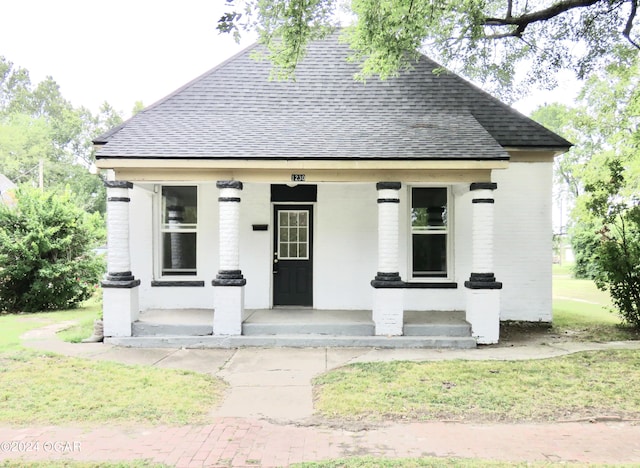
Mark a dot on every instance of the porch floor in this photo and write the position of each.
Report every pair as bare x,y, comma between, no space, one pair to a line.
298,327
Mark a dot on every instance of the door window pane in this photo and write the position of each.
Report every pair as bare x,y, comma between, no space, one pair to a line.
294,234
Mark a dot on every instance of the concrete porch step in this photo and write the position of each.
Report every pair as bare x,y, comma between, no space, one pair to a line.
334,329
170,329
295,341
437,329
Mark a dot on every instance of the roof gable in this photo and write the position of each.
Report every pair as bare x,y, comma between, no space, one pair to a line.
235,111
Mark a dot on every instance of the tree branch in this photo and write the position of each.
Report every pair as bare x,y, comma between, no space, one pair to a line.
627,29
526,19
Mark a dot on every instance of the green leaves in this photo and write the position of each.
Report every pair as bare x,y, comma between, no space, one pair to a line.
45,253
38,123
486,40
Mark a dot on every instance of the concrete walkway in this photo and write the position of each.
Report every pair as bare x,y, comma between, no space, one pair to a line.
267,416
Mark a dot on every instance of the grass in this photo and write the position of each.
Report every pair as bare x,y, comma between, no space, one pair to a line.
583,385
582,312
12,326
84,326
42,388
50,389
431,462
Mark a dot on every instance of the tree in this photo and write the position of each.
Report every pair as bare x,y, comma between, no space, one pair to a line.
483,39
605,170
37,123
45,253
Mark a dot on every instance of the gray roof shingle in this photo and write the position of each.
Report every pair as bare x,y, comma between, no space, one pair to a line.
235,111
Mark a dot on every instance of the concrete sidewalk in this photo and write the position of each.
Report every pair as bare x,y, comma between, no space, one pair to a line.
267,416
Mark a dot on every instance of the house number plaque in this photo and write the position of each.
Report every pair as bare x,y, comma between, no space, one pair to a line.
297,177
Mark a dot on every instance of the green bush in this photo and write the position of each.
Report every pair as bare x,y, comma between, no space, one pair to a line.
610,240
46,257
618,264
584,242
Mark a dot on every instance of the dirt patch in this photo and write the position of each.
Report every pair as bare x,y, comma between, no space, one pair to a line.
528,333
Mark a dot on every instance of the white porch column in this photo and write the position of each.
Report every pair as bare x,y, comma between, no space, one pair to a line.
120,288
483,291
388,294
229,282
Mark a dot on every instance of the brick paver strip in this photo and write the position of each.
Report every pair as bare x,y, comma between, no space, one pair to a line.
253,442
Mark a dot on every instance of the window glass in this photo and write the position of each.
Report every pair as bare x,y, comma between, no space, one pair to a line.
429,255
294,234
429,231
179,230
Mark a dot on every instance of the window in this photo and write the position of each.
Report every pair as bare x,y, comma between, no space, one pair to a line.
429,232
293,241
178,230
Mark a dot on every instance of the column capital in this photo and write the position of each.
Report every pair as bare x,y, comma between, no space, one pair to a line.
118,184
483,186
232,184
388,185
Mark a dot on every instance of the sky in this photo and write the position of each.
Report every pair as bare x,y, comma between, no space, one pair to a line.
116,51
137,50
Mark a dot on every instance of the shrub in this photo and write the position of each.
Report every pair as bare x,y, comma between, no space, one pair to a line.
46,261
617,259
610,216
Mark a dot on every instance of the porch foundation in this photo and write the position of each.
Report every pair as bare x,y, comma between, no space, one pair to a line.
388,311
229,310
120,309
483,313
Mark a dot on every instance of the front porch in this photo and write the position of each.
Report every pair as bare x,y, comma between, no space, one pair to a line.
298,327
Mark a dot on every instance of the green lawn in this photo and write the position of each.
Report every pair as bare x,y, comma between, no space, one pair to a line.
581,385
431,462
576,386
42,388
583,312
14,325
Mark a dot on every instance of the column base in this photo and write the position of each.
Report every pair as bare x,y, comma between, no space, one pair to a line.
229,310
388,311
483,313
120,308
482,281
229,278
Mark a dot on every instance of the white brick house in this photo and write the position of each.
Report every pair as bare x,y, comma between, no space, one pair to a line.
415,195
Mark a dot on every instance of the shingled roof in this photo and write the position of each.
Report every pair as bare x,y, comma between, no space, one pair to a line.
235,111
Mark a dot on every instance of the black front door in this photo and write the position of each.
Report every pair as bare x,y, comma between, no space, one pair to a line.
293,255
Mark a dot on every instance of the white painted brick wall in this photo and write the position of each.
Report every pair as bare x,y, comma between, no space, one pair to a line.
523,235
346,246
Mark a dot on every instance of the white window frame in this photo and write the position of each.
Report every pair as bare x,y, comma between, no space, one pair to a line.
449,231
160,228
